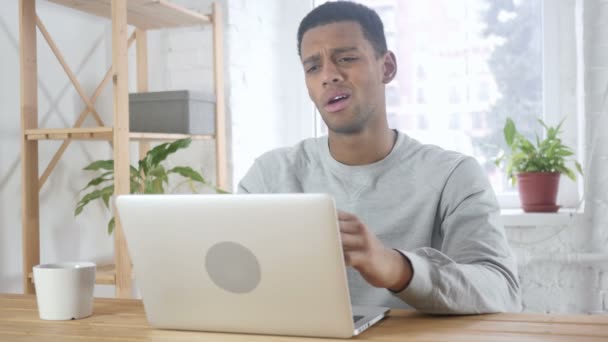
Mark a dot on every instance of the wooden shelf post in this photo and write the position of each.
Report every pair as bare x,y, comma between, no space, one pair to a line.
221,162
121,140
141,45
30,212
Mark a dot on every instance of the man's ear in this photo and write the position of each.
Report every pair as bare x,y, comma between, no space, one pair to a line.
389,67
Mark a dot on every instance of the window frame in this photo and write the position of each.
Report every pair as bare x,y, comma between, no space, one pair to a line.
562,55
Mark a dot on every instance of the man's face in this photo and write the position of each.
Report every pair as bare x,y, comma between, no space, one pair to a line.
344,77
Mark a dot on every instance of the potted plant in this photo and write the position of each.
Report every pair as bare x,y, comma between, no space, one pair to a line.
537,168
149,177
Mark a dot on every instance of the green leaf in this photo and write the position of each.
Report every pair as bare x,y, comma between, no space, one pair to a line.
143,165
510,131
525,144
92,196
501,157
99,180
135,187
569,173
543,124
157,186
559,126
100,165
111,225
158,171
151,155
161,152
579,168
134,172
106,199
188,172
564,153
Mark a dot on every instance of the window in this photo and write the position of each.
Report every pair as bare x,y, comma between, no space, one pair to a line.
420,97
421,73
454,95
479,62
483,92
454,121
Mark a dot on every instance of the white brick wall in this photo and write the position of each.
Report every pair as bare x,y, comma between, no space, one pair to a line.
267,104
552,278
596,90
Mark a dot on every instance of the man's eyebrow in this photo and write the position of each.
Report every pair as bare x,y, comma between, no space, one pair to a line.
313,58
317,57
344,49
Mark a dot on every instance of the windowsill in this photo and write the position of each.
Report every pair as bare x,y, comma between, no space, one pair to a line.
517,218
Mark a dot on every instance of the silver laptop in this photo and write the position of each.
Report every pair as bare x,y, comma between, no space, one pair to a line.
263,264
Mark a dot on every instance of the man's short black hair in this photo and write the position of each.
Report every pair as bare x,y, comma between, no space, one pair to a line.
339,11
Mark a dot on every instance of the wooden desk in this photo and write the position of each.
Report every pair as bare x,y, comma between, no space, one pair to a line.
124,320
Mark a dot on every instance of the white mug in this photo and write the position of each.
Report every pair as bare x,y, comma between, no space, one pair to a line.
64,291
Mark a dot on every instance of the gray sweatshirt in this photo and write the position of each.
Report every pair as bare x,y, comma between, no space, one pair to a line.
434,206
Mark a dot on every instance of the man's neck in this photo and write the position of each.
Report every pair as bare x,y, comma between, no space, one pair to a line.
361,148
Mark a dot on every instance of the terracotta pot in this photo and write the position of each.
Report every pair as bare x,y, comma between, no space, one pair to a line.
538,191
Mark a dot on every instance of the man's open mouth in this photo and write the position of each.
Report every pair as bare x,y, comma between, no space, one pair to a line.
337,103
338,99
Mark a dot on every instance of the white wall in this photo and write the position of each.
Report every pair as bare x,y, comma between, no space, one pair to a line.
595,46
267,95
268,107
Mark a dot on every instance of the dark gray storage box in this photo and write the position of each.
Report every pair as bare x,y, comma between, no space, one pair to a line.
178,111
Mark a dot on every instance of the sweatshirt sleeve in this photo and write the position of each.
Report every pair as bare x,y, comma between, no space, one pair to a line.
473,269
253,182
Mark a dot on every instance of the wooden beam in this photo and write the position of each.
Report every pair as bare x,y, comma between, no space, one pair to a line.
167,136
105,275
79,122
141,37
28,68
97,133
142,77
68,71
145,14
121,140
220,117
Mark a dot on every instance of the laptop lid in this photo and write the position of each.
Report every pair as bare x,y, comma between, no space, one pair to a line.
269,264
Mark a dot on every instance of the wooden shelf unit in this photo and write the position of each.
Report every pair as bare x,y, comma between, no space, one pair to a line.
143,15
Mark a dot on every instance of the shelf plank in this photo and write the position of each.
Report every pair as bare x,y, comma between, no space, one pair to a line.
103,133
167,136
87,133
105,275
143,14
94,133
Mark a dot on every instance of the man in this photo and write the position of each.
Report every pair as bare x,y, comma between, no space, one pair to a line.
420,226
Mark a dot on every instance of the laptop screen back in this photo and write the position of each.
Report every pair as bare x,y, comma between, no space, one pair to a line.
268,264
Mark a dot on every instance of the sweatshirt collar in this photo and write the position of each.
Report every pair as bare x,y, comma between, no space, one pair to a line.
353,170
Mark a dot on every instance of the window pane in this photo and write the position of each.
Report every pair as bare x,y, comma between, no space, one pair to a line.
464,67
